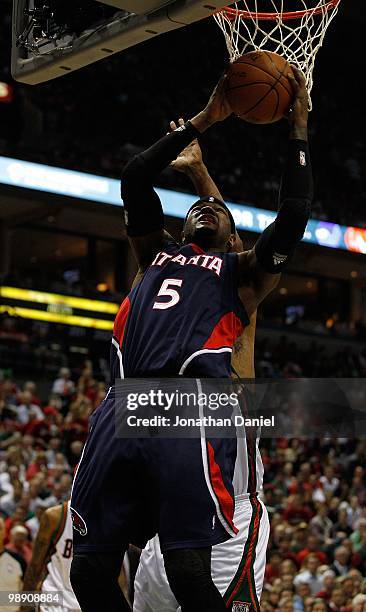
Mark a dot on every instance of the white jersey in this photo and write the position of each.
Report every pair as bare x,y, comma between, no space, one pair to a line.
237,565
248,471
239,584
59,564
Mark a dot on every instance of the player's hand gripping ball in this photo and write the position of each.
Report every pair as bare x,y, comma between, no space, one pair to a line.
258,88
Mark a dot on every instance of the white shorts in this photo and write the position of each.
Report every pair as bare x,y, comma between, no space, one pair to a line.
57,609
237,565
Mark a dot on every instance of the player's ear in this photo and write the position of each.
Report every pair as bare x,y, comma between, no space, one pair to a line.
231,242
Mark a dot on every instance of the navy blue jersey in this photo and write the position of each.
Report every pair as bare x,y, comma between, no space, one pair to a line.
126,490
182,318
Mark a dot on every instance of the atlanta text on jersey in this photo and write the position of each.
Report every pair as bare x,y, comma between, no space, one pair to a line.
211,262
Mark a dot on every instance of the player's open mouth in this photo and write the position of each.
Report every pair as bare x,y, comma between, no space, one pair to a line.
207,218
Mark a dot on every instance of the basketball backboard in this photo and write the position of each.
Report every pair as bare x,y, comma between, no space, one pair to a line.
51,38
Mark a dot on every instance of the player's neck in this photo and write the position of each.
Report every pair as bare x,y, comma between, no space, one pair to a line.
206,245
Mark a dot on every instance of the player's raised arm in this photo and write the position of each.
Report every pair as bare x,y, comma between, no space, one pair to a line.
260,268
190,162
144,213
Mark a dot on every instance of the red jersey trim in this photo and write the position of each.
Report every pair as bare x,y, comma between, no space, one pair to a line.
225,332
197,249
121,320
226,501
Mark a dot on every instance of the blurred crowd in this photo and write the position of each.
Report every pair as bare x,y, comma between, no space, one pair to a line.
315,494
41,441
95,119
314,491
40,349
286,358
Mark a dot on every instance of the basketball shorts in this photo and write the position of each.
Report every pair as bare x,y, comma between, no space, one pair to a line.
237,565
58,609
127,490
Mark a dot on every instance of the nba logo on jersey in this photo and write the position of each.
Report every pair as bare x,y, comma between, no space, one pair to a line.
78,522
241,606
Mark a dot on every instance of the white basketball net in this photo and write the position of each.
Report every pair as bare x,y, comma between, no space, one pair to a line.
296,35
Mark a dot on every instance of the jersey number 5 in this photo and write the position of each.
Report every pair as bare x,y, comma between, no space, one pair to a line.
166,291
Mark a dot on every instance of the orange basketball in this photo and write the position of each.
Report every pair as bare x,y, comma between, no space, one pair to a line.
258,89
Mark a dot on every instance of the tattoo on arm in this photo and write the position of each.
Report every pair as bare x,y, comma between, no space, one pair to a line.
41,547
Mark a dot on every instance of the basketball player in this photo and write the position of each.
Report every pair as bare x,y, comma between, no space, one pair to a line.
190,162
151,588
182,318
51,559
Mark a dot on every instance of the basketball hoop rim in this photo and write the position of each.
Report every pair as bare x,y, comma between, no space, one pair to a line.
232,13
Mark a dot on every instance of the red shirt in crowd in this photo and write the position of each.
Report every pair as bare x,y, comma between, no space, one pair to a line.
301,556
293,513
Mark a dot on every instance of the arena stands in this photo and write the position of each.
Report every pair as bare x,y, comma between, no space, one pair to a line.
53,376
41,349
314,491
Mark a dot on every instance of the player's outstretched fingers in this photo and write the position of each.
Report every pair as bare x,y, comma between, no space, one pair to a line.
218,108
294,83
299,75
173,125
299,83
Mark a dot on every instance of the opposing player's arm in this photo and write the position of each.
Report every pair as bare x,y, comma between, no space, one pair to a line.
41,548
260,268
190,162
143,211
